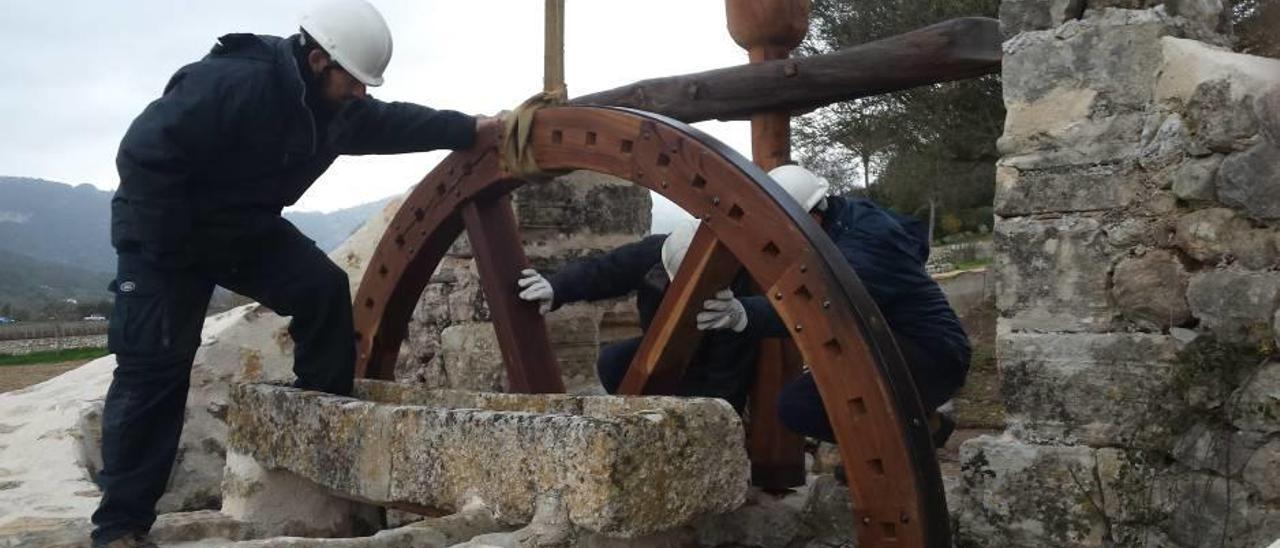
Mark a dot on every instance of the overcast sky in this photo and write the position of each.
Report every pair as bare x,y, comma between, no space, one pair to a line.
76,72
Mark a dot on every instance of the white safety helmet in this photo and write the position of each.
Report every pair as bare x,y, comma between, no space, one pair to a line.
804,186
675,246
354,34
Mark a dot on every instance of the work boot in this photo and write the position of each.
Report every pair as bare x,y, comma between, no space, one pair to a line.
131,540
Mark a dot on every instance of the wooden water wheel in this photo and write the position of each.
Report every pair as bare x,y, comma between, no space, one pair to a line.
748,222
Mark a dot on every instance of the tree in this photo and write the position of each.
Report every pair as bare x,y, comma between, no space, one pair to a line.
920,151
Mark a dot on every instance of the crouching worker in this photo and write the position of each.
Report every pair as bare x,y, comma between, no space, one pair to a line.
888,252
723,365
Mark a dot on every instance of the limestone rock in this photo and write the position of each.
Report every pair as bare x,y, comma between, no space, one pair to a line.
1065,189
623,466
1069,105
1036,495
1017,16
1207,447
1151,290
1256,406
1094,389
280,503
1262,472
1235,306
1247,180
1193,180
1051,275
1210,235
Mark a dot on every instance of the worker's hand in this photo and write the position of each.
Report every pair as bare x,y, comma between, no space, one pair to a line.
723,312
483,123
536,288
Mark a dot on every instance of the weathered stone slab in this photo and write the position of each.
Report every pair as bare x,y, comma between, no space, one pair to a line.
1018,16
1051,274
1247,180
1093,389
1236,306
1076,94
1065,189
1151,290
1034,495
1256,406
622,466
1214,234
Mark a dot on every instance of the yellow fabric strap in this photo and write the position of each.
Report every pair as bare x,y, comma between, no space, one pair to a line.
517,151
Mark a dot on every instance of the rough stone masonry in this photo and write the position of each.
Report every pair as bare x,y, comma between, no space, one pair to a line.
1138,196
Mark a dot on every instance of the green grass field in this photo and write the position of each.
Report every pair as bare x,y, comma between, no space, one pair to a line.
53,356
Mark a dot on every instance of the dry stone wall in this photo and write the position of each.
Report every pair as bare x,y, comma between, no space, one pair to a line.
1138,216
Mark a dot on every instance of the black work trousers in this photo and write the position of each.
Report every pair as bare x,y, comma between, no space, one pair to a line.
800,405
155,332
727,374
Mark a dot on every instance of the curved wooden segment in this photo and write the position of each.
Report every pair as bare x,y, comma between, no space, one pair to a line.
868,391
672,336
522,332
878,419
429,221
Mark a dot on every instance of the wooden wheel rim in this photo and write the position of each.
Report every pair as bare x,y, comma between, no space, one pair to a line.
868,393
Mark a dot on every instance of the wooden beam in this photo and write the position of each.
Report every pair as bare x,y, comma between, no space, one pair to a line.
522,332
951,50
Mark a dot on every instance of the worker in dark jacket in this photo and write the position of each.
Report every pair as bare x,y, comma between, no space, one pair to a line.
205,171
723,364
888,252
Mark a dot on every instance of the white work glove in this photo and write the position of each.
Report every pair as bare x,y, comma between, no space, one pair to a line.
536,288
723,312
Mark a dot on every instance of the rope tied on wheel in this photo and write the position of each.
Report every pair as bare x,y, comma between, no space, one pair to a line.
517,145
517,150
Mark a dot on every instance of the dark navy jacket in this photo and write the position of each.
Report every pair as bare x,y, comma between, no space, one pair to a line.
232,141
887,251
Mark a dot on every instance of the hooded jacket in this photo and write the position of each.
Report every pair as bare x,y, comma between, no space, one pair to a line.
232,141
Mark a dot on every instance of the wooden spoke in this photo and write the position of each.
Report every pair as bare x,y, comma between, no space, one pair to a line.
673,335
522,332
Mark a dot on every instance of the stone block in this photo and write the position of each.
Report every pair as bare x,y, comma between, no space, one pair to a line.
1215,234
1235,306
1151,290
1076,94
1017,495
1065,189
1246,180
281,503
622,466
1052,274
471,359
1094,389
1193,180
1207,510
1221,122
584,201
1189,64
1211,448
1017,16
1256,405
1262,472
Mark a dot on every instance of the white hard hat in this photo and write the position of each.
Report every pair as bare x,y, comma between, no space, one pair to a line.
804,186
674,248
354,34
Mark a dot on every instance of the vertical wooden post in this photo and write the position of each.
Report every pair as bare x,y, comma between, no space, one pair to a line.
553,49
769,30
